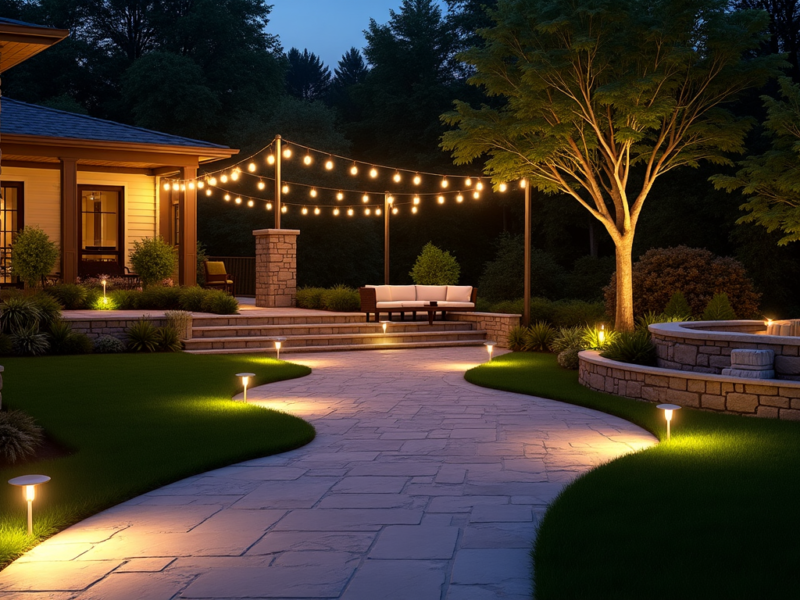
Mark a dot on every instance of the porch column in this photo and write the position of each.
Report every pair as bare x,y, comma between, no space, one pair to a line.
276,267
187,258
70,213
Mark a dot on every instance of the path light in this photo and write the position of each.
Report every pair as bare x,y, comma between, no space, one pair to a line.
245,380
668,408
601,334
385,324
490,347
28,484
104,281
278,342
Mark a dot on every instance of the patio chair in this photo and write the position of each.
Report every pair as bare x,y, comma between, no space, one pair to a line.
217,276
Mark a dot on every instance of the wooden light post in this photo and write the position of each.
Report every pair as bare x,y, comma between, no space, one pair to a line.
526,310
387,207
277,182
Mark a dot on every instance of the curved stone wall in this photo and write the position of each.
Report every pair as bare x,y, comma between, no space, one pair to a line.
769,398
705,346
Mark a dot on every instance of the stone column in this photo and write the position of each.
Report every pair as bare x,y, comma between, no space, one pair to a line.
276,267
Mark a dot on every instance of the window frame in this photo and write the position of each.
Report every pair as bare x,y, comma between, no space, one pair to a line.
11,280
120,252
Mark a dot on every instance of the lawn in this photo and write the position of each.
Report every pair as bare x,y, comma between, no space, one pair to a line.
712,514
134,422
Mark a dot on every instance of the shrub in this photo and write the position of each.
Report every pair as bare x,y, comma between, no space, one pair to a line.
63,340
695,272
20,436
636,348
107,302
435,267
142,336
159,297
591,338
6,347
27,341
19,312
516,338
219,303
719,309
341,298
542,309
180,321
70,295
154,260
568,337
577,313
568,359
678,307
168,340
124,299
539,337
588,277
34,255
502,277
310,297
191,298
107,344
49,309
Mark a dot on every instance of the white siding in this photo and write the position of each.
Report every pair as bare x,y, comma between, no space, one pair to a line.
42,194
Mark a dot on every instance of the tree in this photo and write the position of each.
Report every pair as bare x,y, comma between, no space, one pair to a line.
435,266
350,73
604,97
771,181
307,78
784,28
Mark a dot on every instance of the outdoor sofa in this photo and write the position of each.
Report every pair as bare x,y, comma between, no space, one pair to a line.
416,298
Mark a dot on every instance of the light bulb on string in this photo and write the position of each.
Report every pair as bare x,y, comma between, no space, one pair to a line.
285,189
445,183
468,181
459,198
440,199
417,179
166,186
329,164
377,212
251,167
261,184
191,185
354,169
523,183
335,212
223,178
317,211
350,212
476,195
502,187
208,192
395,210
479,186
175,187
287,152
227,197
212,181
397,177
414,209
373,172
307,160
313,193
183,187
269,206
284,209
390,199
270,159
367,211
416,200
235,175
304,211
238,200
340,196
201,184
365,198
250,203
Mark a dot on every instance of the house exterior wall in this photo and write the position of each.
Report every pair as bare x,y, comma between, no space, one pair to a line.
42,195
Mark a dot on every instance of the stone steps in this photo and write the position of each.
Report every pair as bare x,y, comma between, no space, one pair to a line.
223,331
346,347
245,320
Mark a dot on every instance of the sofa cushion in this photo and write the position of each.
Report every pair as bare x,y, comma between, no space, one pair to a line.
459,293
403,293
385,305
430,293
456,305
382,293
414,304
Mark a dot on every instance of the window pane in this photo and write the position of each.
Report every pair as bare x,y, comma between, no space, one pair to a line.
100,220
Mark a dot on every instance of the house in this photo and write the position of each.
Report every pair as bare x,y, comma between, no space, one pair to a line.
94,186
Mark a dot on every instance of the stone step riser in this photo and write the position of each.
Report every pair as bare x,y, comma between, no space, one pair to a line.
302,330
244,320
342,348
324,341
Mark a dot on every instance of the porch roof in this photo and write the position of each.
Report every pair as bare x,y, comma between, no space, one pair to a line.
19,41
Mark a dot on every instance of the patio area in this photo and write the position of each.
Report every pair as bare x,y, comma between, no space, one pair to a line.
418,485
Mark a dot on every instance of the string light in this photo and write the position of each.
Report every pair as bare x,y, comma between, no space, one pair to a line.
212,181
227,197
270,159
287,152
208,192
390,199
479,186
166,186
284,209
307,160
365,198
313,193
523,183
354,169
416,200
397,178
304,211
175,187
317,211
395,210
414,209
340,196
373,172
459,198
440,199
201,184
261,184
468,182
377,212
285,189
251,167
367,211
329,164
445,183
191,185
238,200
335,212
250,203
223,178
476,195
269,205
417,179
235,175
502,187
350,212
183,187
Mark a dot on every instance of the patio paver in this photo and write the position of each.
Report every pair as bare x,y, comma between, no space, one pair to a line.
419,485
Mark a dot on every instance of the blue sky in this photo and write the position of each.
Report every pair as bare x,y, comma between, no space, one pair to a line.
326,27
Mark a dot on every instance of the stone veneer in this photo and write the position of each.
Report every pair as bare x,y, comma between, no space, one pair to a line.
496,325
705,347
754,397
94,327
276,267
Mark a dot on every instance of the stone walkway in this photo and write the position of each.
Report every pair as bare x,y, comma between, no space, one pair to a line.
419,486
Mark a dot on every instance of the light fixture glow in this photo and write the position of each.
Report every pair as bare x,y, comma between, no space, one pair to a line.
414,210
440,199
250,203
251,167
479,186
223,178
350,212
329,164
278,343
238,200
417,179
373,172
395,210
287,152
316,211
212,181
523,183
191,185
208,192
227,197
261,184
285,189
335,212
166,186
390,200
365,198
445,183
377,212
490,348
354,169
284,209
367,211
416,200
668,410
175,187
313,193
304,211
502,187
468,181
307,160
271,159
28,484
476,195
201,185
235,175
397,177
269,205
459,198
245,377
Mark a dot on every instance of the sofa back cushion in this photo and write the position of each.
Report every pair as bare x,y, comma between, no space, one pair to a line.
459,293
403,292
382,293
432,293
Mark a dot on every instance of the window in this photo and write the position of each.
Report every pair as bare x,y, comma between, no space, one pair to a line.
11,222
101,232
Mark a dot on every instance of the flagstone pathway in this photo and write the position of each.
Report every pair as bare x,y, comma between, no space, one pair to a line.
419,486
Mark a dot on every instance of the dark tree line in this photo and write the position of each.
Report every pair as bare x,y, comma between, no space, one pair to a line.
216,70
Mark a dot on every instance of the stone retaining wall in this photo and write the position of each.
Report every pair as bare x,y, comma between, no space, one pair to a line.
115,327
754,397
497,325
705,347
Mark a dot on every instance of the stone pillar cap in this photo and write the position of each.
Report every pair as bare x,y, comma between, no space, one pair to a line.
276,232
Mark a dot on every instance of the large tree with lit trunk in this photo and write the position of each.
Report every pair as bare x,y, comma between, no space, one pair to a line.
596,99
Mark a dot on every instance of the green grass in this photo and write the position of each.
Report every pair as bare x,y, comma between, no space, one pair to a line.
712,514
135,422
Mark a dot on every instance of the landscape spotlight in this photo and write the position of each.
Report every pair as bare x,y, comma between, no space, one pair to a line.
104,281
668,408
278,342
245,380
28,484
490,347
601,334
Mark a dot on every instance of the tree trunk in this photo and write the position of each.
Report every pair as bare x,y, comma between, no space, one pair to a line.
624,317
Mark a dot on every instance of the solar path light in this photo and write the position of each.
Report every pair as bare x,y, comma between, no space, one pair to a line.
668,408
490,348
28,484
245,380
278,342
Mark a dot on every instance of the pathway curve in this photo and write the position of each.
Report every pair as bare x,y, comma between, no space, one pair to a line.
419,486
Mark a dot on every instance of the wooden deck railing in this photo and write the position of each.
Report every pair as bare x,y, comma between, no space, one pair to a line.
243,272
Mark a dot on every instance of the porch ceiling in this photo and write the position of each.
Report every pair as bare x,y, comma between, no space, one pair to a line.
19,41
